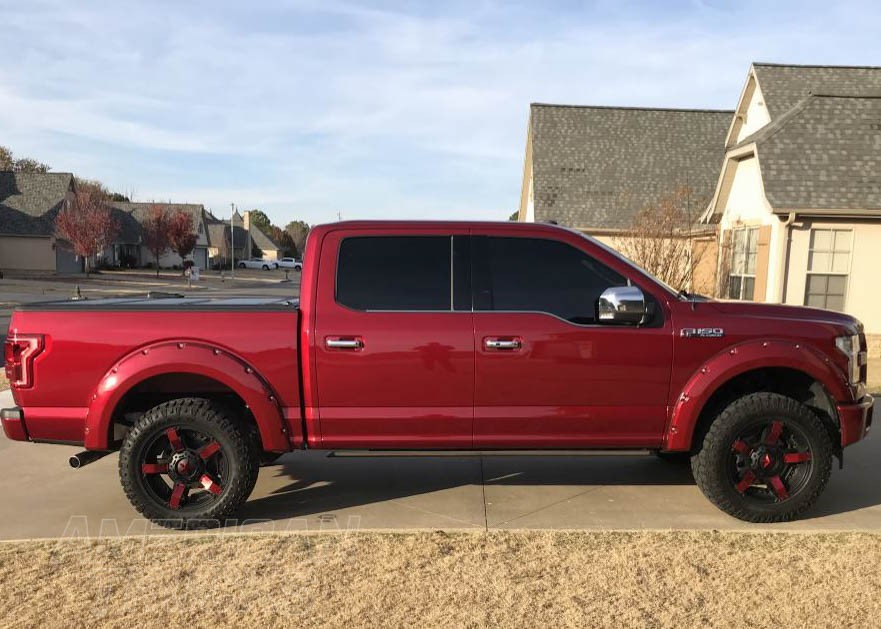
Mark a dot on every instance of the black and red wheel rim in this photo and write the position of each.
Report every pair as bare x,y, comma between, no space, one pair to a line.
183,469
771,461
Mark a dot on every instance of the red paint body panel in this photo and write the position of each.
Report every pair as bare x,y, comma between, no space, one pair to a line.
425,379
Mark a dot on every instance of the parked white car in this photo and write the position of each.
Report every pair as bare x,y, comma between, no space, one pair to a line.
258,263
290,263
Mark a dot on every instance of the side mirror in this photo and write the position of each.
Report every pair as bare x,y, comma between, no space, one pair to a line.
622,304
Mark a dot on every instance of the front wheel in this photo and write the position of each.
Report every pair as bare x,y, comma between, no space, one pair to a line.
265,267
187,463
241,265
765,458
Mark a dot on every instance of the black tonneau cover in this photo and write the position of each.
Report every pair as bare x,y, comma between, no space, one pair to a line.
168,301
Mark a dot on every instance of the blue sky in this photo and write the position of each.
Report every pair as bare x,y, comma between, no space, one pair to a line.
368,109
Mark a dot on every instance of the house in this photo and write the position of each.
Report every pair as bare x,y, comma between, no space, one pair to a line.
129,246
261,244
29,203
596,168
220,239
798,198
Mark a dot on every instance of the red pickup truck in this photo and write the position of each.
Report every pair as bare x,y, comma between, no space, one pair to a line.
442,336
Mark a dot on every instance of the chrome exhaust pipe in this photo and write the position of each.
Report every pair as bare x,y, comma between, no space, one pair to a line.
85,457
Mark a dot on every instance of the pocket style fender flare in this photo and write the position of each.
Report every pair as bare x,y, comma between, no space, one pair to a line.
737,360
190,357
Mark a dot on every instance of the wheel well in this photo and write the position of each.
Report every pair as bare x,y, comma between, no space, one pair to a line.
168,386
789,382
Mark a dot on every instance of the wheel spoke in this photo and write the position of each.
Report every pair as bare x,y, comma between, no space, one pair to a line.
774,433
740,447
177,495
209,450
174,439
778,487
746,482
208,483
154,468
796,457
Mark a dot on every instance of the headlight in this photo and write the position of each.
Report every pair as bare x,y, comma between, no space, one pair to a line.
850,347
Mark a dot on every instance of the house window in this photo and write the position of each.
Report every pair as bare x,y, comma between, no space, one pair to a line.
828,267
742,276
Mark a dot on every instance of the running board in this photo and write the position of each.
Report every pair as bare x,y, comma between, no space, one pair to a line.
474,453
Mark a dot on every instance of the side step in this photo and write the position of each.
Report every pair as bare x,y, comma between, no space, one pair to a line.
474,453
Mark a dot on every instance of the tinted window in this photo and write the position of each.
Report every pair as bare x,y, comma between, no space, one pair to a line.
394,273
539,275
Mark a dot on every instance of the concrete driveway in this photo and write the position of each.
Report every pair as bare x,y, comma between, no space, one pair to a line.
43,497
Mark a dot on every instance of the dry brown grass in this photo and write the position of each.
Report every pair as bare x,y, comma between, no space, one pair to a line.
576,579
874,381
4,383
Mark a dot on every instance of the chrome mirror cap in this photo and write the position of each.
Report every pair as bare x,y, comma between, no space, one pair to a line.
622,304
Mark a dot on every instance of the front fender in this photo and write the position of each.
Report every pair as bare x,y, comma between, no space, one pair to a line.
740,359
191,357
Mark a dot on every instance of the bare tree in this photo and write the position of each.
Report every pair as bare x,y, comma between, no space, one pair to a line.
87,221
662,239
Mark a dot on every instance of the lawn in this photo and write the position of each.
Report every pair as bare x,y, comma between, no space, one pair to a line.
574,579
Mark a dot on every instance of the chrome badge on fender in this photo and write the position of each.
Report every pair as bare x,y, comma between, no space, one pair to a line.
702,332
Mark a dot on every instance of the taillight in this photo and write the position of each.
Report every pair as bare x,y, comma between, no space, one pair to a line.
19,352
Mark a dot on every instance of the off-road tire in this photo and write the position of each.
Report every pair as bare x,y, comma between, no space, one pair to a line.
709,464
208,418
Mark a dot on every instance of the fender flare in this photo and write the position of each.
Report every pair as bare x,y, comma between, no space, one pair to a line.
736,360
191,357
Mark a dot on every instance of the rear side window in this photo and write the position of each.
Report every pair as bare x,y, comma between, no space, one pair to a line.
538,275
395,273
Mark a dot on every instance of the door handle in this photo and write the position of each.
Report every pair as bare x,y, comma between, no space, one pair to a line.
343,343
492,343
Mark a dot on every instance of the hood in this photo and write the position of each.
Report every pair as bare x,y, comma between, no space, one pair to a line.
781,311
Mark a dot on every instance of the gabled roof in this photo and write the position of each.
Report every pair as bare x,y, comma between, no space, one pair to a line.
598,167
823,154
29,202
263,242
131,215
218,232
783,86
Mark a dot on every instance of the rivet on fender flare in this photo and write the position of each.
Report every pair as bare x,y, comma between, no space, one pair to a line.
765,344
217,352
733,352
797,346
145,351
704,370
248,370
114,370
180,345
272,398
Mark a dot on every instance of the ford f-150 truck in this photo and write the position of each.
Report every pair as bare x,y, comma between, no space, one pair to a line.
442,336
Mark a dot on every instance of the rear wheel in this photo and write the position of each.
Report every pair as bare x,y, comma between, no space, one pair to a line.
241,265
265,267
187,463
765,458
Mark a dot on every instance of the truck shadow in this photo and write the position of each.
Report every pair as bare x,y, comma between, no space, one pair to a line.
318,484
307,484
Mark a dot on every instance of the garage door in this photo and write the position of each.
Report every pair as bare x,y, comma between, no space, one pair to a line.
66,260
200,257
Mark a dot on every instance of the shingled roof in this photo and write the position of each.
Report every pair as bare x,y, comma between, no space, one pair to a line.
218,232
824,153
29,202
598,167
131,215
784,86
262,241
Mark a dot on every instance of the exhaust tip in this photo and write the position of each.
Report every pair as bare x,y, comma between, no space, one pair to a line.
75,461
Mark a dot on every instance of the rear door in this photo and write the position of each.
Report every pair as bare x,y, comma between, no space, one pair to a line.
395,340
547,374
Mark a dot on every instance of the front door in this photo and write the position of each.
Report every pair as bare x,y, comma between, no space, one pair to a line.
547,374
394,341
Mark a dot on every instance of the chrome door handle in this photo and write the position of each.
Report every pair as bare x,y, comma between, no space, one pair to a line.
335,343
502,343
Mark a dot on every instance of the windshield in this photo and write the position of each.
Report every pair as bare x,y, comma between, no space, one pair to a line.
631,264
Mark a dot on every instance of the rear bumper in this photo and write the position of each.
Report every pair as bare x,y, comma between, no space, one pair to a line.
13,423
855,419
